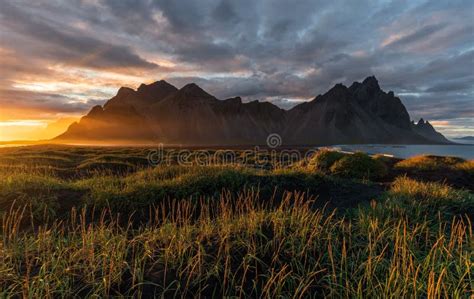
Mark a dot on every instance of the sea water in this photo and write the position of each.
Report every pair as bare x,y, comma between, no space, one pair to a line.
465,151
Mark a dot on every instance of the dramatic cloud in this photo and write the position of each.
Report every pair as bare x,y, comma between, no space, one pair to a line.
66,44
65,56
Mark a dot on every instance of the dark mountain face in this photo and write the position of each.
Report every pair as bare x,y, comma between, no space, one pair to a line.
383,105
192,116
156,91
159,112
362,113
118,123
143,97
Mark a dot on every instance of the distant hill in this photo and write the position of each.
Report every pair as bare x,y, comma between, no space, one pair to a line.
467,138
159,112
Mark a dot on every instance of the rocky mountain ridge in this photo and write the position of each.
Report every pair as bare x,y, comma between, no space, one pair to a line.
159,112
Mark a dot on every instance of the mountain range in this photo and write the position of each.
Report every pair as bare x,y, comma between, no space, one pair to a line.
159,112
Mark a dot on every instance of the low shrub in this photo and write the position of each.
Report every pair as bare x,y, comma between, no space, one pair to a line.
417,201
428,163
324,159
387,160
359,166
467,167
428,191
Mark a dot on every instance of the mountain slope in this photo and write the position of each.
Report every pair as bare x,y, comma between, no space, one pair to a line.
426,130
362,113
207,120
159,112
143,97
122,124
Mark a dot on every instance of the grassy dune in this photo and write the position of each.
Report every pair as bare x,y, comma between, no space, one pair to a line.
76,221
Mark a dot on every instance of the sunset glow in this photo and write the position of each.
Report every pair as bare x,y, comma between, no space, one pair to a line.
33,129
236,149
58,61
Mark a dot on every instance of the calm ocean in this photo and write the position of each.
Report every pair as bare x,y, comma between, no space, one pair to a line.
407,151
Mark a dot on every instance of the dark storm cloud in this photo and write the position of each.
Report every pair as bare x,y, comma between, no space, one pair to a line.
438,107
281,51
224,13
63,44
451,85
453,70
418,35
47,102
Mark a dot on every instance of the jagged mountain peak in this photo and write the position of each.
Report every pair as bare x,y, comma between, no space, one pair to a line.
339,86
125,96
337,92
190,87
425,129
156,91
124,92
156,87
361,113
234,100
143,97
371,82
194,91
156,83
368,87
96,111
421,121
256,104
424,124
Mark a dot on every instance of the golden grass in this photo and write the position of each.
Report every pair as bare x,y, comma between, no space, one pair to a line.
359,166
245,250
242,249
323,159
467,166
427,162
424,190
224,231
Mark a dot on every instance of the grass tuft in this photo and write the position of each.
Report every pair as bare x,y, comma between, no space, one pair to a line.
360,166
428,162
323,160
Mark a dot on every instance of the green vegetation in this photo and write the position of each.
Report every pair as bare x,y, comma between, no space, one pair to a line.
467,167
454,171
257,227
324,160
435,163
356,166
359,165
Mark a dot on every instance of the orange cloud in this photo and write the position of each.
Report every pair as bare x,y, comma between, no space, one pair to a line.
440,123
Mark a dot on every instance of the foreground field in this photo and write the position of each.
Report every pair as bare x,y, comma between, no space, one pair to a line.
84,221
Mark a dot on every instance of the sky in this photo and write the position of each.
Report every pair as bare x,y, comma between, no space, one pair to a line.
60,58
